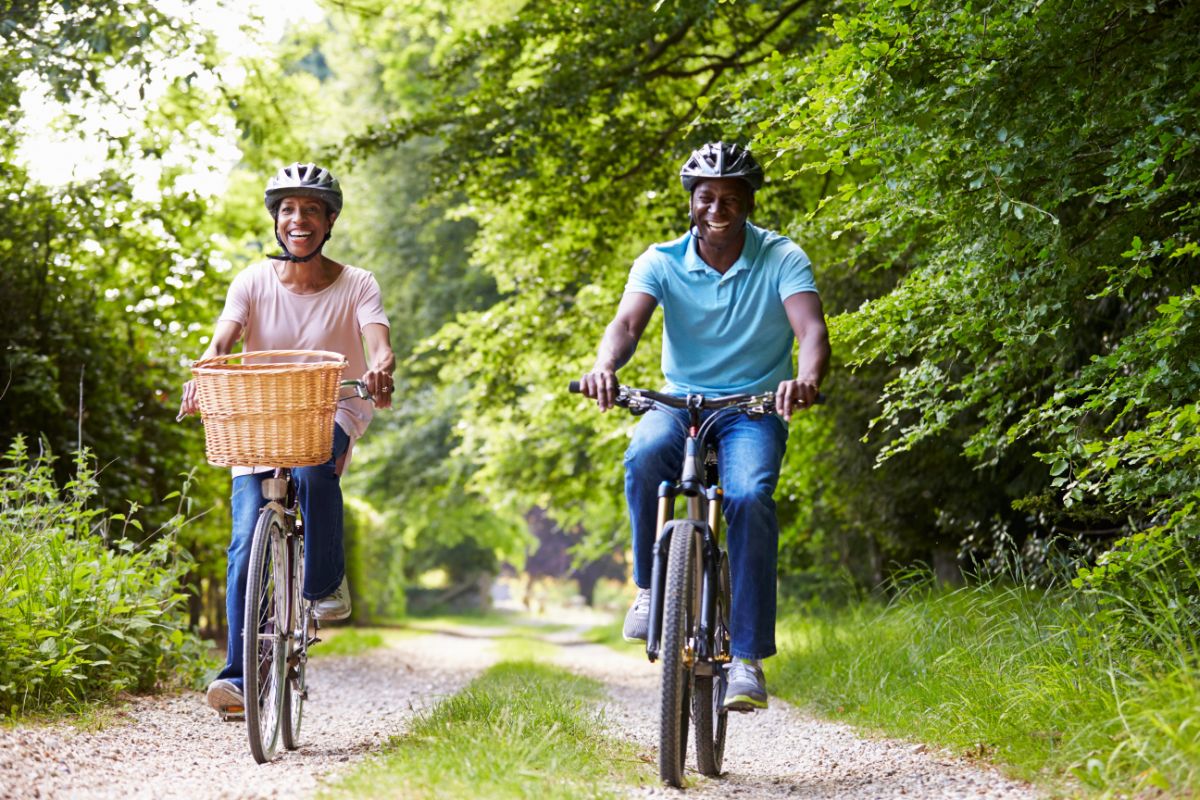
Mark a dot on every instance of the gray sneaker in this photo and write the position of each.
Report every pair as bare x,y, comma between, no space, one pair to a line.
334,606
226,698
637,619
747,688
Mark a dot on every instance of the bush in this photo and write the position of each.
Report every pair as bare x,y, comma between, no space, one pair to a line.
83,616
1147,587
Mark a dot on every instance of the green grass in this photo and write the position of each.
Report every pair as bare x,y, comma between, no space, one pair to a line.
485,620
519,730
346,642
522,646
610,634
1024,678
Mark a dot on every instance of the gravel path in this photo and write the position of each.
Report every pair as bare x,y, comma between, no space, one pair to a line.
174,747
781,753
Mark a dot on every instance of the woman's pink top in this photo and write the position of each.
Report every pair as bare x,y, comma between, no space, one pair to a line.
275,318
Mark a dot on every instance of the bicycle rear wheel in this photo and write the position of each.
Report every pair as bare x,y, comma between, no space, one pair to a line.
264,665
299,623
711,719
680,611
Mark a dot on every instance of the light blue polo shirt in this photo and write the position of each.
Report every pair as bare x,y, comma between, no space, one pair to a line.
725,334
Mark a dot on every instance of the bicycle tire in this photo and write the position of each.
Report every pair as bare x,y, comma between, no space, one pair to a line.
299,620
711,720
264,655
679,617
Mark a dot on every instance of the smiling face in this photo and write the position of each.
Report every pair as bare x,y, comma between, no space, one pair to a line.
720,207
303,223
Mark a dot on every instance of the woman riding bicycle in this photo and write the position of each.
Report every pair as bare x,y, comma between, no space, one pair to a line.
300,300
735,297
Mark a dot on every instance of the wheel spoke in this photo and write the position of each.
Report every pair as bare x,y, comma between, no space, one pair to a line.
265,637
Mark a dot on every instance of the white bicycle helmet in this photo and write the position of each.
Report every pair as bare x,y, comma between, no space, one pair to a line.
303,180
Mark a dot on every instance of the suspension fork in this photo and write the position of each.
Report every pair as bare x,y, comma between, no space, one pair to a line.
704,513
667,491
710,580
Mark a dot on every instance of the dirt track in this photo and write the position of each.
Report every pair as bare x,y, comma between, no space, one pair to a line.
168,747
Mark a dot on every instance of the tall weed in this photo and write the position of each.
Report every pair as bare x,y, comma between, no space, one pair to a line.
1050,682
81,617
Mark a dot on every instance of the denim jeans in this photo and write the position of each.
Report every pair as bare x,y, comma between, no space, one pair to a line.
319,492
749,455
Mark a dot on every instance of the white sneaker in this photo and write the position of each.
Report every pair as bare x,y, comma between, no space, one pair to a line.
226,698
334,606
637,619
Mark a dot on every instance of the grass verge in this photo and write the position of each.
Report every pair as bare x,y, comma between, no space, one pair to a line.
610,634
519,730
1022,677
353,641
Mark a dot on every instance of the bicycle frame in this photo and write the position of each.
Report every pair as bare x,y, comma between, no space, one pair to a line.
704,514
689,630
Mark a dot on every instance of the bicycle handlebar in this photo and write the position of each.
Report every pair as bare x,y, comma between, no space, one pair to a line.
639,399
360,390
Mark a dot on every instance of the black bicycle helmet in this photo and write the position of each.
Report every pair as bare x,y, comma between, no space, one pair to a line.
720,160
303,180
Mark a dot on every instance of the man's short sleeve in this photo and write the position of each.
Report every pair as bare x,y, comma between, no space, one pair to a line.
644,278
795,274
238,300
370,304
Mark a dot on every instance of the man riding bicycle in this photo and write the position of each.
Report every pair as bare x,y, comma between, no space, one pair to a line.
300,300
734,298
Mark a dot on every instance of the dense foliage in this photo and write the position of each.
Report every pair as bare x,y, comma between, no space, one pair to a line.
999,199
91,604
104,277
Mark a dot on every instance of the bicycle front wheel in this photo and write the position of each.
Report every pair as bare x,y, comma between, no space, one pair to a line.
709,697
680,612
299,623
264,666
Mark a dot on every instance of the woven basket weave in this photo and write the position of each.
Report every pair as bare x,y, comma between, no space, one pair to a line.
274,414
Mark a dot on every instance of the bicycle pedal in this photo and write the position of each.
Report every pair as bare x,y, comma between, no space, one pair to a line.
233,714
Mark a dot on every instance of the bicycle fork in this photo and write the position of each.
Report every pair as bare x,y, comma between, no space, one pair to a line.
704,515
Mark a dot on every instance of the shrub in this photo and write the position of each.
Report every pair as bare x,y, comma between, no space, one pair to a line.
83,615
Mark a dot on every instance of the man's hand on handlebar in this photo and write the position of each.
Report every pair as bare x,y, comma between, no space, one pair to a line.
796,393
601,385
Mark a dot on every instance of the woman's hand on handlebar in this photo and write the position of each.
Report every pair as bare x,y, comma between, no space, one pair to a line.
601,385
379,385
796,393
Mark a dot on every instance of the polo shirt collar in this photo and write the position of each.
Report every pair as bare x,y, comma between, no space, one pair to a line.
692,261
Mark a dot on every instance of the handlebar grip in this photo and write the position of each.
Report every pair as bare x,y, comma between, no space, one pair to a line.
573,387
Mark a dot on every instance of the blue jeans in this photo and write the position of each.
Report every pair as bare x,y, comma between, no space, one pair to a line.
750,453
319,491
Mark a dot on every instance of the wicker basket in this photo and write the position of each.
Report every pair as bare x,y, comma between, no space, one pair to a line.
274,414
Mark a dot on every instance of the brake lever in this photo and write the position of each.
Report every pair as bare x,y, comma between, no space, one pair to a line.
634,403
763,405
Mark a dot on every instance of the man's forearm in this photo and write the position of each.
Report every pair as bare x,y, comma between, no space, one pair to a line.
616,348
812,362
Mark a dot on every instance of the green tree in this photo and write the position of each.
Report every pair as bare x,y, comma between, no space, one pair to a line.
999,209
103,291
